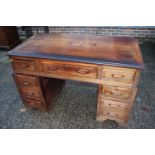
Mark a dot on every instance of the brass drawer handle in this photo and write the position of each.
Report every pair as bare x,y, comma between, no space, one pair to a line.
116,93
112,105
83,71
52,67
114,115
117,76
26,83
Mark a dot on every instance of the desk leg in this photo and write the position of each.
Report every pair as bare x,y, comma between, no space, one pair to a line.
113,109
99,115
38,92
50,88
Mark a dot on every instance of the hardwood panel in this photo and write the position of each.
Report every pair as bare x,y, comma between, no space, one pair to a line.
31,93
112,109
40,90
111,62
27,80
99,103
119,74
116,115
117,93
115,51
23,65
67,68
34,103
50,88
115,105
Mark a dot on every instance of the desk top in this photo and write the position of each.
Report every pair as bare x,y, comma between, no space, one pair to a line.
115,51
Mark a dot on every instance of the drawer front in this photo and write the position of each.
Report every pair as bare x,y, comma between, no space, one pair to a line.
34,94
117,93
114,114
20,65
68,69
114,104
32,103
119,74
27,81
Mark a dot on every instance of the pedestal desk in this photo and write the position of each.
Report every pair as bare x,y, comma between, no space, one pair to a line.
43,62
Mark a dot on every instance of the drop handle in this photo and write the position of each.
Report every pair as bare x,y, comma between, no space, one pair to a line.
52,67
26,83
117,76
116,93
112,105
114,115
83,71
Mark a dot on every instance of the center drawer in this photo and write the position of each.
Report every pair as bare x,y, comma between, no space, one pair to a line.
68,69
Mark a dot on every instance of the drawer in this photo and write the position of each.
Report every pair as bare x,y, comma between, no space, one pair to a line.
114,114
117,93
27,81
34,94
32,103
68,69
114,104
20,65
119,74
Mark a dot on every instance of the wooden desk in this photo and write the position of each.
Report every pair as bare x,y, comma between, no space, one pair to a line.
43,62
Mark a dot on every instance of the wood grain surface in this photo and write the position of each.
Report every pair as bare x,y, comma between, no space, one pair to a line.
116,51
43,62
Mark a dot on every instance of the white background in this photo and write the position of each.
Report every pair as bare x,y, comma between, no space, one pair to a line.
77,13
